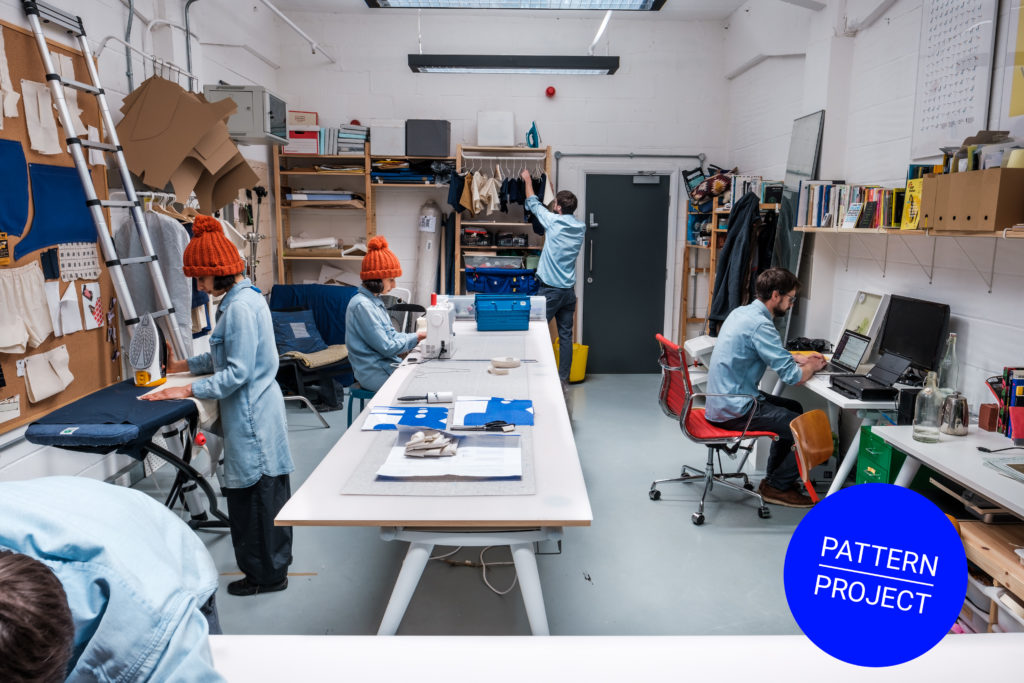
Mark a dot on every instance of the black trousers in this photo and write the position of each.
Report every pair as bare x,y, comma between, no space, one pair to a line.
774,414
561,304
263,551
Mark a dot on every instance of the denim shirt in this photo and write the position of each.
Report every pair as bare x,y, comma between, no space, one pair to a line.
243,360
135,576
747,344
372,341
563,237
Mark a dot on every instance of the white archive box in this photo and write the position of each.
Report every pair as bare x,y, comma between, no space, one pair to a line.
495,129
387,139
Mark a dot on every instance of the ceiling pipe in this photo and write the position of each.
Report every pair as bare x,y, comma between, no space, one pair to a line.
312,43
188,42
127,50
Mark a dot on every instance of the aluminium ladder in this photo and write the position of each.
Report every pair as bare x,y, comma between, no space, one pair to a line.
39,13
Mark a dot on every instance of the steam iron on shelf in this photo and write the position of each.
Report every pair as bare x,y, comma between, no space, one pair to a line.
145,353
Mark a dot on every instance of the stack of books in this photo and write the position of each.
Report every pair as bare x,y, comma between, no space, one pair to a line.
826,204
346,139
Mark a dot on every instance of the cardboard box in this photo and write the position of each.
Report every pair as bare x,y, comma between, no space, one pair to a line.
302,142
428,138
302,118
979,201
929,191
387,139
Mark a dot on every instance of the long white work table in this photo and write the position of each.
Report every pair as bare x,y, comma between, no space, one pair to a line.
596,659
560,497
958,458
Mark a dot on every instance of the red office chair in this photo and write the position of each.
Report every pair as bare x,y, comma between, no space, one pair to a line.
676,399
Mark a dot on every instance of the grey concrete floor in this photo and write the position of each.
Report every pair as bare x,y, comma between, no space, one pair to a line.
642,568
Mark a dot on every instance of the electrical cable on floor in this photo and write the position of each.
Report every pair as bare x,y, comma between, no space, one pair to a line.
483,564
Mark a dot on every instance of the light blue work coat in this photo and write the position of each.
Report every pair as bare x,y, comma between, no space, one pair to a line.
135,576
372,340
243,360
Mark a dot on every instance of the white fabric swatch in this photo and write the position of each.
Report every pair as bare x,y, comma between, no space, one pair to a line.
42,127
209,408
78,261
70,313
10,408
8,94
52,289
47,374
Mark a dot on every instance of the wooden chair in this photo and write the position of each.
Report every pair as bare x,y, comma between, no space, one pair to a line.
812,437
676,399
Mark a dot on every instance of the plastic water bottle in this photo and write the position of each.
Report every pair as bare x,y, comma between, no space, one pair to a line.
949,368
926,411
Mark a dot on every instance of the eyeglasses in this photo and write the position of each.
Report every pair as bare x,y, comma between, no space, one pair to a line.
792,299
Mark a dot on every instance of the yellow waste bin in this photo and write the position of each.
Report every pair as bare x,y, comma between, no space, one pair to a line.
578,369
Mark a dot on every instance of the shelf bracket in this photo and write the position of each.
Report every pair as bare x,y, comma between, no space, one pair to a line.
881,266
845,257
930,271
992,266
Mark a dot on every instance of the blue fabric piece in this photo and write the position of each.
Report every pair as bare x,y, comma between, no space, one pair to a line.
328,303
136,577
285,324
501,281
61,215
14,181
243,360
747,344
416,416
517,412
50,261
86,434
113,406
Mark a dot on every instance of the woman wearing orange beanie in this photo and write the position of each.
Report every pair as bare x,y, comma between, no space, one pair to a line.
243,362
373,343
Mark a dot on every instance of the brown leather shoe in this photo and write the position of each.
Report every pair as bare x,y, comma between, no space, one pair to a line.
790,498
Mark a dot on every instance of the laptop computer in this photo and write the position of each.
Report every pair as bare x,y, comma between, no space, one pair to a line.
877,384
848,354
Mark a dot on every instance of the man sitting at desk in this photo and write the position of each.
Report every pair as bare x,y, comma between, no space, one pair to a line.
101,583
747,344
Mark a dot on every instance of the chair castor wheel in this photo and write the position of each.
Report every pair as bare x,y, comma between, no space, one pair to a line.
697,518
763,512
748,486
655,494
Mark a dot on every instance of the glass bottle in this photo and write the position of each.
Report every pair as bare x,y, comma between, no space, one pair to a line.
926,411
949,368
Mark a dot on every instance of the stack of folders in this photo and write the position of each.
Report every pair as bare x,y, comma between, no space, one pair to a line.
347,139
1012,466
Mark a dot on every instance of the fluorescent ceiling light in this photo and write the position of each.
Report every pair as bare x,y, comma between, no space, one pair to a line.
513,64
617,5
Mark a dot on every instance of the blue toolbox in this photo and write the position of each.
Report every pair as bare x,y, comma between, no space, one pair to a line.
496,312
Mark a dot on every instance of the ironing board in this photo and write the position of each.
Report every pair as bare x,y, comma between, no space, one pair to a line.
113,418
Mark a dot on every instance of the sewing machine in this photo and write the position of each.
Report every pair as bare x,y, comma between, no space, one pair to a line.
440,341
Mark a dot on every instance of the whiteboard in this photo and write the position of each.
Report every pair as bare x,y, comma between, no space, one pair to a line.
1011,109
953,73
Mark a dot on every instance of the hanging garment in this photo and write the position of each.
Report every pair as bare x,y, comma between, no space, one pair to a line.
14,181
477,190
61,215
169,240
549,192
466,199
455,188
24,319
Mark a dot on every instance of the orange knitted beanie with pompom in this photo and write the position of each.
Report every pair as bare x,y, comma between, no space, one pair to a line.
380,262
209,252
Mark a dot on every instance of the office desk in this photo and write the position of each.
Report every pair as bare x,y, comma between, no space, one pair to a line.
958,458
819,385
595,659
515,520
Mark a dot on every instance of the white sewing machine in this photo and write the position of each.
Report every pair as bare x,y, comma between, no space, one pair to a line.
440,341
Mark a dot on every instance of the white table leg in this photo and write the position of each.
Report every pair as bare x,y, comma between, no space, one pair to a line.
907,472
412,568
529,585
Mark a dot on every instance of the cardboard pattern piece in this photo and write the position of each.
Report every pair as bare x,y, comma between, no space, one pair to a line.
174,136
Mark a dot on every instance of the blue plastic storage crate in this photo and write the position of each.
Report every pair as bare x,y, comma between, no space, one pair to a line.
502,312
501,280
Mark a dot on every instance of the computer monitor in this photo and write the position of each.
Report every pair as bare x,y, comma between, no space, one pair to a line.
915,329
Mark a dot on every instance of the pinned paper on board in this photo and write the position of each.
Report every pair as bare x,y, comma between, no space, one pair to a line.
42,126
8,95
70,313
92,304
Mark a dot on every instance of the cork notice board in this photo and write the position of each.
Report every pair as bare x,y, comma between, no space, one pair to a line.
89,351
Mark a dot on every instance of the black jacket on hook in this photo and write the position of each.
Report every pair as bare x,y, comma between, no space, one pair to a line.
746,253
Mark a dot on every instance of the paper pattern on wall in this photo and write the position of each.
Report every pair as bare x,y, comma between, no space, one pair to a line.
10,408
70,313
42,127
8,95
52,290
78,261
92,304
95,155
47,374
66,68
1017,71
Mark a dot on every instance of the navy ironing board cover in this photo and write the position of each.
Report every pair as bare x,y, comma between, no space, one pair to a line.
112,417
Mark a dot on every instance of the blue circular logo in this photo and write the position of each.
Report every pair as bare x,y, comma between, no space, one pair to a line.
875,575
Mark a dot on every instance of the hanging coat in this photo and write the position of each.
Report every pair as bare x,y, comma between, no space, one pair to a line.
739,263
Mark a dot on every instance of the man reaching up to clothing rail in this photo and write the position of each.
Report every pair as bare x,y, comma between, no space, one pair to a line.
556,272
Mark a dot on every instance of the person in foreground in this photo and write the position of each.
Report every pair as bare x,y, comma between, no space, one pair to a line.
243,362
556,272
748,343
373,343
101,583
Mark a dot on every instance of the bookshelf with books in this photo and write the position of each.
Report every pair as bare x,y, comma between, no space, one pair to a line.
324,208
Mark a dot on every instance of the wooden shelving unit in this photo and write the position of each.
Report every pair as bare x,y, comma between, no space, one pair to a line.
475,157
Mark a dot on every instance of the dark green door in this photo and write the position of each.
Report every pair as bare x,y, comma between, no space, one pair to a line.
623,273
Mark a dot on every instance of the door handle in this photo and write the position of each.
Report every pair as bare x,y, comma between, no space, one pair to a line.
593,223
590,271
